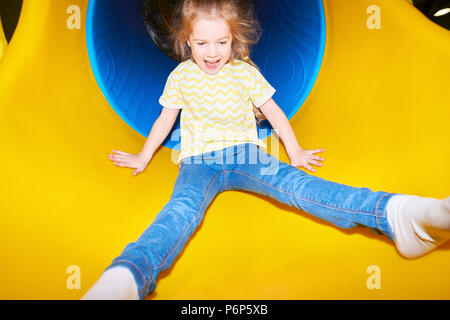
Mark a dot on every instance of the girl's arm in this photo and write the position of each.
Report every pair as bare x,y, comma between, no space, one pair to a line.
298,157
281,124
159,132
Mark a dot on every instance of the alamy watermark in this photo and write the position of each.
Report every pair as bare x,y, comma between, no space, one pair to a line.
374,20
74,279
73,22
374,280
241,151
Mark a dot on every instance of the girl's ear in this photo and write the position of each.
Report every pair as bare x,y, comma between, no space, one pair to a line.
189,45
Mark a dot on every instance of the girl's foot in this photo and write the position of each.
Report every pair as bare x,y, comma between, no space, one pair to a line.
114,284
419,224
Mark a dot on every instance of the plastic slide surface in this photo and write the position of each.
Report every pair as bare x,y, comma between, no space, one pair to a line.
3,42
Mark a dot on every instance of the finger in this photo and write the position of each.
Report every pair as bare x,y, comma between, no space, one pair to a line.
318,150
119,152
122,164
118,160
310,168
315,163
318,158
118,157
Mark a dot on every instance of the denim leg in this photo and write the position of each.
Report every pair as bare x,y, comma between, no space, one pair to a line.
344,206
156,249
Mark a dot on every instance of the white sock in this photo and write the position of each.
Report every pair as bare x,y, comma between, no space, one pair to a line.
419,224
114,284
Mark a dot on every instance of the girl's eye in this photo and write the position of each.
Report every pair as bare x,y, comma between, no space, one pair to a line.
202,43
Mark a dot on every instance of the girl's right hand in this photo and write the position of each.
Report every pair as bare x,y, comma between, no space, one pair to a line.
128,160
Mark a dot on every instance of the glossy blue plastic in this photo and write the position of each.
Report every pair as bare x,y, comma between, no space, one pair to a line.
131,70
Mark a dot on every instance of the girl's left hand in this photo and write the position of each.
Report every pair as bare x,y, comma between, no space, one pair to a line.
303,158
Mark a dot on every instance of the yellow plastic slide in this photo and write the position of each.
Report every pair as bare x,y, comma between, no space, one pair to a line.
3,42
380,107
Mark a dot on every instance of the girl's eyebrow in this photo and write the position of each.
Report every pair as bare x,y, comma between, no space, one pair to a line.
227,37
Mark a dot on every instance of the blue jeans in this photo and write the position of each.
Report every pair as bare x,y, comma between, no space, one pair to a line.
243,167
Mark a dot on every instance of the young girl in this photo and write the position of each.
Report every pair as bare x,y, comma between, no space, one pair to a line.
218,89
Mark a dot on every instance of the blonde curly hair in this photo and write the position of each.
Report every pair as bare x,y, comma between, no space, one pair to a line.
239,14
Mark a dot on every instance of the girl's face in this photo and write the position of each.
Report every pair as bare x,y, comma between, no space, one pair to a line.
210,43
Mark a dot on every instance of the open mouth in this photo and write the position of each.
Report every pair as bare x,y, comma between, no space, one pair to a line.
212,64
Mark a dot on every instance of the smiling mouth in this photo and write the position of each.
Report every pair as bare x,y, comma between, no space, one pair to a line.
212,64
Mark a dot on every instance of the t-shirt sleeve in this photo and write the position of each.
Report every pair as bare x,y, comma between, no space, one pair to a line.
172,97
259,88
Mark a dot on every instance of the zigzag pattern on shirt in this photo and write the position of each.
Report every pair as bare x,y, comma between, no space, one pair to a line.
219,128
217,111
208,122
221,95
219,108
199,87
202,89
196,102
198,81
200,128
223,125
228,118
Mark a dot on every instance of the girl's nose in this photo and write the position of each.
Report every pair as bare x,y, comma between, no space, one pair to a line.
212,51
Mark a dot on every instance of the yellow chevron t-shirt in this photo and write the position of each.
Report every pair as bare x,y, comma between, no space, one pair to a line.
217,110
